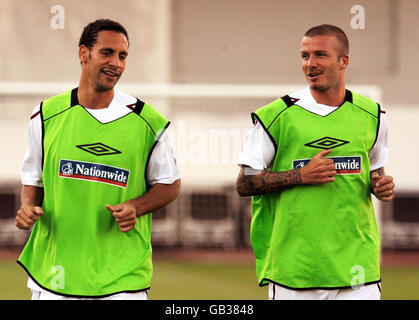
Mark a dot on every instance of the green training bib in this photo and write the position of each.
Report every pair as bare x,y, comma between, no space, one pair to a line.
319,236
76,247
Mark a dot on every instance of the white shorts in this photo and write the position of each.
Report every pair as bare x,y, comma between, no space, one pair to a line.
45,295
39,293
367,292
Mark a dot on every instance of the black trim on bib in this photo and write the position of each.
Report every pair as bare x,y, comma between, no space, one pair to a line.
137,110
378,126
73,102
288,101
74,98
348,96
151,152
138,107
255,116
261,284
57,114
75,295
43,134
375,116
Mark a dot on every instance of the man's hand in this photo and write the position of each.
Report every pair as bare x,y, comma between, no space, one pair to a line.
125,215
158,196
382,186
27,215
319,169
31,208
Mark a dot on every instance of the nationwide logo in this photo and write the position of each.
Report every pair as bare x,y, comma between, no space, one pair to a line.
343,165
93,171
326,143
98,149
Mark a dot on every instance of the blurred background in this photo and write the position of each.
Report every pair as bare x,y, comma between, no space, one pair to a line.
206,65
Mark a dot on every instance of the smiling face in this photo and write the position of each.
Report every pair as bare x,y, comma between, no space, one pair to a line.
104,63
323,62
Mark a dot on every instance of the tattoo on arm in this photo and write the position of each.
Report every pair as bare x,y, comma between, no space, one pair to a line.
266,182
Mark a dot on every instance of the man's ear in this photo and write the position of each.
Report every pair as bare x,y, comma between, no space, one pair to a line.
344,61
83,54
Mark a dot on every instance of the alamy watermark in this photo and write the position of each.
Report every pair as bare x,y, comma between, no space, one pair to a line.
58,19
358,279
197,146
358,18
58,280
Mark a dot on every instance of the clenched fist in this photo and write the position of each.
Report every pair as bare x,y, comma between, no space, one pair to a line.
125,215
382,186
27,216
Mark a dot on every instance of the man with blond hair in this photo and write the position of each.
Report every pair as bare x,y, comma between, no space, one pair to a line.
311,162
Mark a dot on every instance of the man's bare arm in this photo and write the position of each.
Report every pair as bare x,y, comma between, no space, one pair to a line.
248,183
31,209
158,196
31,195
319,170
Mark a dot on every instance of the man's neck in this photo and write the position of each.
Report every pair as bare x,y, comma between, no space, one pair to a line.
92,99
333,97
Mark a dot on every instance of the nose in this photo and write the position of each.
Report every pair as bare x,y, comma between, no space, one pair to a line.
115,61
311,61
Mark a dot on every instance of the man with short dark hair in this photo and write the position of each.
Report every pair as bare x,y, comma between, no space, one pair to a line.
311,162
98,163
91,32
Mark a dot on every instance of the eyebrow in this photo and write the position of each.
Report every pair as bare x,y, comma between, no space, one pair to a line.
112,50
315,51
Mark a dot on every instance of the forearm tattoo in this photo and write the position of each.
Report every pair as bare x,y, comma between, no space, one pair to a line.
266,181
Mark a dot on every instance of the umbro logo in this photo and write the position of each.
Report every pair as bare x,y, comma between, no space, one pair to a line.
98,149
326,143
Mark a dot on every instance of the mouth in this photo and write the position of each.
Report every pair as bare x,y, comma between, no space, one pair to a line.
313,75
111,74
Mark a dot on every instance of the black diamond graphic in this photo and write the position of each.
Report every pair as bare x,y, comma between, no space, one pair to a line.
98,149
326,143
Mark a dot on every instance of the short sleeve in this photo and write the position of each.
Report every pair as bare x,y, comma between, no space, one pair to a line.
379,153
258,151
31,170
162,167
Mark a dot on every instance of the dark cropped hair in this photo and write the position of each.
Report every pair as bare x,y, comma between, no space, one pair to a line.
328,29
90,32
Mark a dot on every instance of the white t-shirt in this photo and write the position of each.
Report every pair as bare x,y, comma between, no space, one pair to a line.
259,152
161,168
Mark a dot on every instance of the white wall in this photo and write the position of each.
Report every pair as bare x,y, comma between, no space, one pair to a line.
403,143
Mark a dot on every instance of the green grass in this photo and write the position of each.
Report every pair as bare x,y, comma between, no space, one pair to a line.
178,280
193,281
400,283
13,281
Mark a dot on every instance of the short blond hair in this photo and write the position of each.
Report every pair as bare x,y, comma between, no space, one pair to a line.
328,29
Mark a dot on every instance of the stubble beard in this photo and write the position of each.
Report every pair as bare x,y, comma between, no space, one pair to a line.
102,85
319,87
